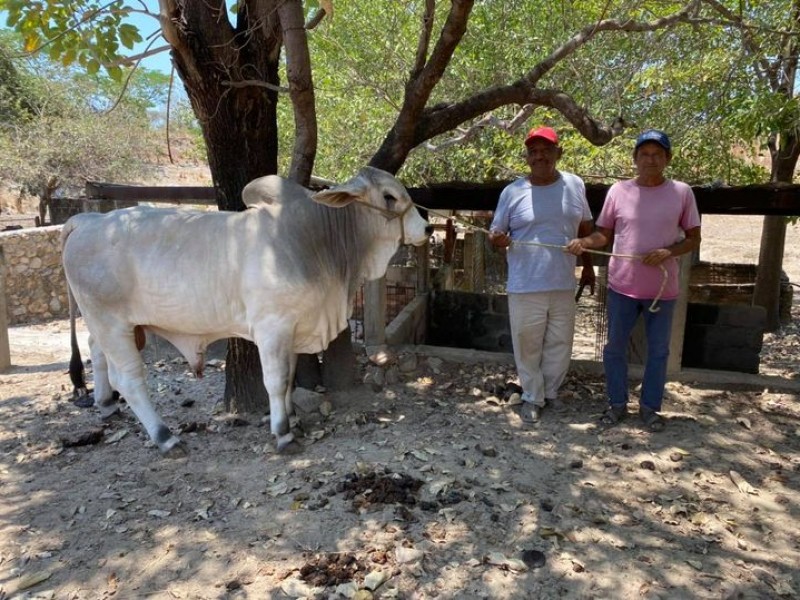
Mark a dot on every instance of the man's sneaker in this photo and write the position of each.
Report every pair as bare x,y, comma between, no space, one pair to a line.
529,412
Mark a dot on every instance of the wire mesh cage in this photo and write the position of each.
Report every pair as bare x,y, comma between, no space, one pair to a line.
401,288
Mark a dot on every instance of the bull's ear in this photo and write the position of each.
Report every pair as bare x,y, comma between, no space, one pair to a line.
343,194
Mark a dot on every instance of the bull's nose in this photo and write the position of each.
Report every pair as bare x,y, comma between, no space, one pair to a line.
429,229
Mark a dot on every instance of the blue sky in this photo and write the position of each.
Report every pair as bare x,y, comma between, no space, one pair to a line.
148,25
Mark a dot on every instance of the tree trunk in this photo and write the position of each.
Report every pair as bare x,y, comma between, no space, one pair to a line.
773,233
309,371
336,372
770,262
242,146
239,124
244,383
339,363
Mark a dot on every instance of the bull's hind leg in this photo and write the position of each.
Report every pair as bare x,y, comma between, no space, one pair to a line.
103,393
277,365
127,376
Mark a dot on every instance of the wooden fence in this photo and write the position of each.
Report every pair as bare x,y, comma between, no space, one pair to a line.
766,199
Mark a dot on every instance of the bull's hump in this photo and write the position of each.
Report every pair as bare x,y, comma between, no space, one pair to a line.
272,189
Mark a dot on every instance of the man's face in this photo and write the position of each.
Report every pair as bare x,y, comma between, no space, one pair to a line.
651,159
542,157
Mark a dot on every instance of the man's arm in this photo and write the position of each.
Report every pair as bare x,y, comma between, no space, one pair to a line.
584,230
587,273
690,243
599,238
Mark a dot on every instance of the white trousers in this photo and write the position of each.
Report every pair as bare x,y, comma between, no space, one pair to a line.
542,329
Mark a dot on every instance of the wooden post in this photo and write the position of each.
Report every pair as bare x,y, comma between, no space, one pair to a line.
637,347
679,316
479,260
5,350
423,272
375,312
469,261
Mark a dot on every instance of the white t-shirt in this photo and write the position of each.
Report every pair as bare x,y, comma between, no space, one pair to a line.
548,214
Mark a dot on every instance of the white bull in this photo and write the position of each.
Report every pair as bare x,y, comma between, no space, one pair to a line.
282,274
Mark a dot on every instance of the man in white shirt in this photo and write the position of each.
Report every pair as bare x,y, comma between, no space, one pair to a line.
535,218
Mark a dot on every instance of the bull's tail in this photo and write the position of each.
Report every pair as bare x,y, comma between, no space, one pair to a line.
77,373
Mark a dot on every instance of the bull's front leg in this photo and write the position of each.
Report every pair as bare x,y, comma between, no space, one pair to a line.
277,365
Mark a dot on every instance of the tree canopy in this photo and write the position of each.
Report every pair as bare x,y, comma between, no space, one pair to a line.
60,131
470,76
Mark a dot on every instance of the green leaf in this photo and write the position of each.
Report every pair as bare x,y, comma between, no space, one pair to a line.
115,73
129,36
68,57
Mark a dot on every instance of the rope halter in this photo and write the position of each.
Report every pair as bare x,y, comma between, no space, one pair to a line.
391,215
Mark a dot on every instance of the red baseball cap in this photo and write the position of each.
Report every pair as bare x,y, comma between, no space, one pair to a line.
546,133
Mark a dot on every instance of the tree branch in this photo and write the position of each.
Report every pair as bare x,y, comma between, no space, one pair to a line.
419,87
767,70
126,61
590,31
424,38
316,19
301,90
256,83
416,125
465,134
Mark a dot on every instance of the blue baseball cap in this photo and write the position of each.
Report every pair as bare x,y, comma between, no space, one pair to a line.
654,135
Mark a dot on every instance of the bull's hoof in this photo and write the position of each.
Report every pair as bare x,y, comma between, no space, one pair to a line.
286,444
174,448
83,398
109,412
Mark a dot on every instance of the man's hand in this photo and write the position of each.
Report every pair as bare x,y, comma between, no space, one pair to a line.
656,257
498,239
576,247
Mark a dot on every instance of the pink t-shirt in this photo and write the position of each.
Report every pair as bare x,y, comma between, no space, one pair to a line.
643,219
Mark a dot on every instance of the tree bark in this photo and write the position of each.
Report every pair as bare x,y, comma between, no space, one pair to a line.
244,387
770,262
767,291
232,83
780,74
339,363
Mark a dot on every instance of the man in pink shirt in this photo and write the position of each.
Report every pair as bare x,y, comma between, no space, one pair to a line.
655,219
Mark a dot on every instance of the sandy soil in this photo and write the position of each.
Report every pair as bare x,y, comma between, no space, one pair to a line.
429,487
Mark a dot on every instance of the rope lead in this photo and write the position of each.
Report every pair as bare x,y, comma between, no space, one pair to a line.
664,273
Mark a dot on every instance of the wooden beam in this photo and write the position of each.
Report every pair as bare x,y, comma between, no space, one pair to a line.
152,193
768,199
762,199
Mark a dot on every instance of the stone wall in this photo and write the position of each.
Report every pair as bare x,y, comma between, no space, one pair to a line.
35,287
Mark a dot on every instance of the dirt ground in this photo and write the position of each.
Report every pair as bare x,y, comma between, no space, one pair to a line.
427,487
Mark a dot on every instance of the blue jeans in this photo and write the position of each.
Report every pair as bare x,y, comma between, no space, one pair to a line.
623,311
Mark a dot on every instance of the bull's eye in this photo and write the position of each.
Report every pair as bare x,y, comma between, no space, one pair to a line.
391,201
